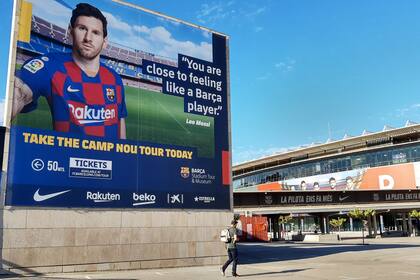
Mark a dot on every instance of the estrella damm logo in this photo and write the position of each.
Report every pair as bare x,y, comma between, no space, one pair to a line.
185,172
110,94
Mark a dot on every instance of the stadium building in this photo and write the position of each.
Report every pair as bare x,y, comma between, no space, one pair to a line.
312,184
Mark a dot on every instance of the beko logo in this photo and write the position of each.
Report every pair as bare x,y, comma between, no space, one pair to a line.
102,197
143,199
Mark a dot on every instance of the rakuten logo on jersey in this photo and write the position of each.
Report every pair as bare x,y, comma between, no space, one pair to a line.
102,197
85,115
143,199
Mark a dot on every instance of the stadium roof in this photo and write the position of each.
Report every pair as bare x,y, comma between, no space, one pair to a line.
333,146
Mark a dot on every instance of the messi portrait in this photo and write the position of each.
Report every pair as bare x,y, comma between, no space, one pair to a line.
81,72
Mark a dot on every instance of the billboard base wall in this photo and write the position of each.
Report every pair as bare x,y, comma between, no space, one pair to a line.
67,240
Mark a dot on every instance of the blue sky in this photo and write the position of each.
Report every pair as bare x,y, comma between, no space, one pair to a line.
303,70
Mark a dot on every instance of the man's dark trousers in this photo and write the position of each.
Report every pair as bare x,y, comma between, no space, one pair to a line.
233,258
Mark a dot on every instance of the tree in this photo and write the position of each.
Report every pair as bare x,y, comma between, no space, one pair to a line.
282,221
362,215
337,223
415,214
369,213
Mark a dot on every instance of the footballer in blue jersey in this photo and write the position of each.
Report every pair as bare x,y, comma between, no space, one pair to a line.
84,95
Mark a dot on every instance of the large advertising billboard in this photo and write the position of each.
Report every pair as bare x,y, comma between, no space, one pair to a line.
393,177
116,106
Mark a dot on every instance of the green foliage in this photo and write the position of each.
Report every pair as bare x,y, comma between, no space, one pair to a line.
356,214
337,223
284,219
361,214
414,214
369,213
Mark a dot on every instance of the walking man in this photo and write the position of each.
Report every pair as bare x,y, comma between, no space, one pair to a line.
232,250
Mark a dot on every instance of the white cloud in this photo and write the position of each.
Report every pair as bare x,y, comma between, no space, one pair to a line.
141,29
411,112
286,66
264,77
256,12
166,20
214,12
159,40
52,11
117,23
206,34
160,34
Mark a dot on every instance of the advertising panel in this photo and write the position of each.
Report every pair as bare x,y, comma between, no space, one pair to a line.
392,177
116,106
316,198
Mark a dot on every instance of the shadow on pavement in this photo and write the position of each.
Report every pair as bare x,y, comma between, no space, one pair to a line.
264,253
273,272
4,274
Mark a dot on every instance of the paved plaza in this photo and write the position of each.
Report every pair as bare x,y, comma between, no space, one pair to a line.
387,258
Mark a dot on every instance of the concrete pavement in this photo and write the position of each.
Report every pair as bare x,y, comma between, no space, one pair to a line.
387,258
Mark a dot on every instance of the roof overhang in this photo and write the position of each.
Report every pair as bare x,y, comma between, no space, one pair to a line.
335,145
379,207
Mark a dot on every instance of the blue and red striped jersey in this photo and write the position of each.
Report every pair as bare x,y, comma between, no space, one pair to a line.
78,103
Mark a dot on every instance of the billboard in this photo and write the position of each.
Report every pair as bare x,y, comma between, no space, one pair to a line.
116,106
322,198
393,177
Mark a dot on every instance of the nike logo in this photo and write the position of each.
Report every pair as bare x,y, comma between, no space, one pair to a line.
70,89
341,198
39,197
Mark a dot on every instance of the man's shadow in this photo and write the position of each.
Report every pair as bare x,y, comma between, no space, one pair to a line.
274,272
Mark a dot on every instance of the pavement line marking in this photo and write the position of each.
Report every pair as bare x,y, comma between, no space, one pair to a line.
159,273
